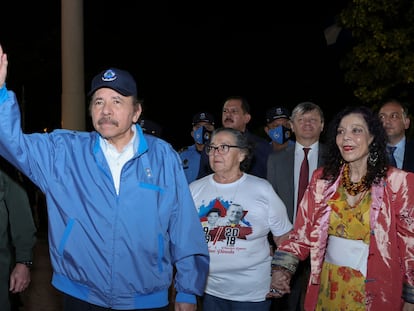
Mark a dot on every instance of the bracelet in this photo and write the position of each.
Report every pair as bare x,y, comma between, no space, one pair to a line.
281,268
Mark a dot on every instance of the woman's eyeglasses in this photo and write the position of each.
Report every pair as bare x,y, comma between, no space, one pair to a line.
221,149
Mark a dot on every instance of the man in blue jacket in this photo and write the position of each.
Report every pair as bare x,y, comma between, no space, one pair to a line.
121,216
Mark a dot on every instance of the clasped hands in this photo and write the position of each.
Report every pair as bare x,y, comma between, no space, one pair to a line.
280,284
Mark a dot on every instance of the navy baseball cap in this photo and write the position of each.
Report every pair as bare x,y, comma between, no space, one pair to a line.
116,79
277,113
203,117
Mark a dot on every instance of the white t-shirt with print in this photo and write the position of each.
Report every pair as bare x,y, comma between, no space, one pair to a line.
240,261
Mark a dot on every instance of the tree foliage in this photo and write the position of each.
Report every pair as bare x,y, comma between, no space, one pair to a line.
380,62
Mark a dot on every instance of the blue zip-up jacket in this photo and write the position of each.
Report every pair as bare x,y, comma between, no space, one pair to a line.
115,251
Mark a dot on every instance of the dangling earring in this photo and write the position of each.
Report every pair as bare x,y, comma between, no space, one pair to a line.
373,158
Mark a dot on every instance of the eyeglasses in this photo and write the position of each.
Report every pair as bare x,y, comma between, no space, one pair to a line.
221,149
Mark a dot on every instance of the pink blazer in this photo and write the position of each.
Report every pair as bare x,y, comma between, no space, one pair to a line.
391,250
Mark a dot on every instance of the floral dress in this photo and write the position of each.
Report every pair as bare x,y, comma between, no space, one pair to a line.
343,288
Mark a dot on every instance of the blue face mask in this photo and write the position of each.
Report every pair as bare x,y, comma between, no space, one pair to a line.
280,134
201,135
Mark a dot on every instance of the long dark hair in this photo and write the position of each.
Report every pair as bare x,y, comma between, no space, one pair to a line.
377,149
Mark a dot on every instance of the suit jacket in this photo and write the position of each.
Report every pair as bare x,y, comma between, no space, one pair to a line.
280,173
408,163
261,151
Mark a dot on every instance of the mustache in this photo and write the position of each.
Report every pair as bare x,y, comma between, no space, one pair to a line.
107,121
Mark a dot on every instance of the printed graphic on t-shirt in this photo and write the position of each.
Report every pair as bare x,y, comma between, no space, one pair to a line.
224,221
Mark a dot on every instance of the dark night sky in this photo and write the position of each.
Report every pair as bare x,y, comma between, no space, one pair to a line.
185,57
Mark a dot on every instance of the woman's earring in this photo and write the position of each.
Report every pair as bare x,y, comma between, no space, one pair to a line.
373,158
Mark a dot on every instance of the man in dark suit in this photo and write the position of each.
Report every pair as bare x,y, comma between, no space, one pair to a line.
283,170
236,115
395,119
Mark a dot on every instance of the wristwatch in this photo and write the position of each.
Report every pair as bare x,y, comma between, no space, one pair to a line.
28,264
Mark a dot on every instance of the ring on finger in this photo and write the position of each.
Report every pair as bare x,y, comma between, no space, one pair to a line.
275,291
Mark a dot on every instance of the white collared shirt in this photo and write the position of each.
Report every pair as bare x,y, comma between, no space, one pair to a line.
116,160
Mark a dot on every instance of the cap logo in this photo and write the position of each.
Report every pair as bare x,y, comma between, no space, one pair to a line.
279,111
109,76
203,117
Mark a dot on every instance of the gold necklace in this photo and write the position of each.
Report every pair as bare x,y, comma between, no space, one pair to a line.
358,200
353,188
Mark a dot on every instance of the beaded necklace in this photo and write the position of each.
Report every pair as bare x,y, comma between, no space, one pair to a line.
353,188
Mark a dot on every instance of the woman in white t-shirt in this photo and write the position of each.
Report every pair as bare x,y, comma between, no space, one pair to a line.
248,209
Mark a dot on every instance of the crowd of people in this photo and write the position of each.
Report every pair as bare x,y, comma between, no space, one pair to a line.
299,218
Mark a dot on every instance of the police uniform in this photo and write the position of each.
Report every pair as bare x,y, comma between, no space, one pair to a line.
190,158
189,155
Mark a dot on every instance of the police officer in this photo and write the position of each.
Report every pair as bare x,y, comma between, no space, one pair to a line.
278,127
203,125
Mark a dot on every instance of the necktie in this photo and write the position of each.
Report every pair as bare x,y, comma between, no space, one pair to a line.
303,175
391,158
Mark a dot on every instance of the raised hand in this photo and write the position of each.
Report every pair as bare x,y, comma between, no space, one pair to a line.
3,67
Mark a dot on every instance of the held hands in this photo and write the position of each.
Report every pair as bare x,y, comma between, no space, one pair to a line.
3,67
279,284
